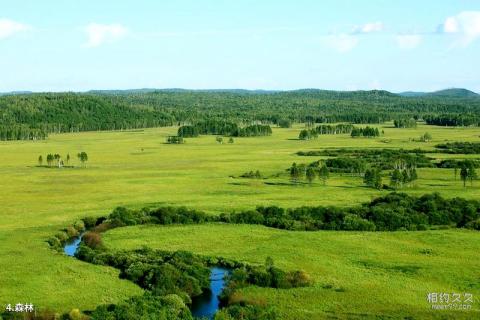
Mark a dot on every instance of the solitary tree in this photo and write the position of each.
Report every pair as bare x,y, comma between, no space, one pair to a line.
426,137
377,181
373,178
464,175
310,174
323,174
40,160
472,174
50,159
83,157
396,179
294,172
369,177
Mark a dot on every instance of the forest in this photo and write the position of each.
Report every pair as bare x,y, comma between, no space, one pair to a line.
33,116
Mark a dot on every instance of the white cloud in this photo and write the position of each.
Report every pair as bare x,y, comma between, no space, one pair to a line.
466,25
99,34
9,28
369,27
342,42
408,41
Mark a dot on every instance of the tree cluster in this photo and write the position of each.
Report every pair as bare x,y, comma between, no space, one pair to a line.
459,147
405,123
309,172
373,178
396,211
453,120
383,159
175,140
365,132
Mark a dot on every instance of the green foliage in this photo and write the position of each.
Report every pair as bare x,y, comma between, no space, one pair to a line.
405,123
284,123
175,140
310,174
33,116
426,137
83,157
255,130
395,211
373,178
187,131
365,132
246,312
252,175
148,306
453,120
460,147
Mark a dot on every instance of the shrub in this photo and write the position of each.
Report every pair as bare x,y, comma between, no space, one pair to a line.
90,222
92,239
71,232
54,242
62,236
299,278
79,225
75,314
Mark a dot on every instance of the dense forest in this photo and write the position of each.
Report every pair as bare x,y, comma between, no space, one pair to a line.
33,116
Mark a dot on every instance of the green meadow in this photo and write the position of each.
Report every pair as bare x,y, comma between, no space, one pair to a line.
369,274
354,272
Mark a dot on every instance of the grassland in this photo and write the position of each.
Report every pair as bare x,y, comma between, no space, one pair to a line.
136,168
356,274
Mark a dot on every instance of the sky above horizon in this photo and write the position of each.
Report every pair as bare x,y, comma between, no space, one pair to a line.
59,45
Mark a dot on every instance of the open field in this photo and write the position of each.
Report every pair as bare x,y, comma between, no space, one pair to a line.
356,274
36,202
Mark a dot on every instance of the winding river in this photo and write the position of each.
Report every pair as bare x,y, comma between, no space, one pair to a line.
204,306
208,303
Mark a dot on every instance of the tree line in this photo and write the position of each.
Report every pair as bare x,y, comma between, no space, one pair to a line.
34,116
405,123
365,132
224,128
307,134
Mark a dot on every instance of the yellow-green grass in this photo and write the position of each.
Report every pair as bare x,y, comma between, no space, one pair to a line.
384,274
36,201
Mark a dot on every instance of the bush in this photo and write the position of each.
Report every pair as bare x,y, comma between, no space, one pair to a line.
92,239
79,225
62,236
90,222
473,224
54,242
71,232
75,314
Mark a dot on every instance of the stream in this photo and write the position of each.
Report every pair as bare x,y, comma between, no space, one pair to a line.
71,246
204,306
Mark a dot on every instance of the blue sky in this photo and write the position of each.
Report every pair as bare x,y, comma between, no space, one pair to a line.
59,45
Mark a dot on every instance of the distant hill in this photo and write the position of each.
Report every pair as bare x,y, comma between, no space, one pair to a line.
448,93
454,92
15,93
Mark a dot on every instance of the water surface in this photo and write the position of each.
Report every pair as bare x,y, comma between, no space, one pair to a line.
206,305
